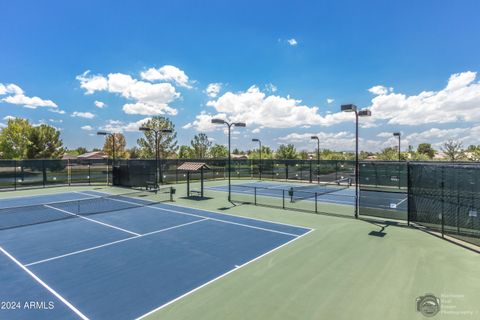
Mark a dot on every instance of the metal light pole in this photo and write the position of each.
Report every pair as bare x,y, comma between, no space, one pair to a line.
398,134
260,151
318,157
157,150
109,134
229,125
358,113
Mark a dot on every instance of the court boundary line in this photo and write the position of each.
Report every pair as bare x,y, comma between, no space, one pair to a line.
92,220
222,276
213,219
113,242
217,212
45,203
402,201
227,222
43,284
278,197
35,195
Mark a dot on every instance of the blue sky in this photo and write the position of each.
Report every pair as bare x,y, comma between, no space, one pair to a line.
276,65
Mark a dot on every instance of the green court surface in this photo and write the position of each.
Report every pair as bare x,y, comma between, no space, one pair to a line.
344,269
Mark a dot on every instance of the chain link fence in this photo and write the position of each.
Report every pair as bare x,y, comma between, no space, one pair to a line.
18,174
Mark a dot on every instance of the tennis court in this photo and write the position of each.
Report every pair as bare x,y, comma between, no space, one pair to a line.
326,193
94,255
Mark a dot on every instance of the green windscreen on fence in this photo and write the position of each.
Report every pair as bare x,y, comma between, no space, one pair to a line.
446,199
383,189
15,174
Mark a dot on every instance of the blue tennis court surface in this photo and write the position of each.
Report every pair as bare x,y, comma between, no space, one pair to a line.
346,196
123,264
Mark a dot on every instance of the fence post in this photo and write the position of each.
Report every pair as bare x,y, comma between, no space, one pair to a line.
408,193
69,172
443,200
15,175
44,173
176,171
310,179
336,170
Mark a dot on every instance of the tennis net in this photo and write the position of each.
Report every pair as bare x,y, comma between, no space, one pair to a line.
311,191
14,217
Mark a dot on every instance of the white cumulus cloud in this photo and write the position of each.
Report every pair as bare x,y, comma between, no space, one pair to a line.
148,109
167,73
459,101
270,111
10,89
15,95
87,115
270,87
87,128
148,98
213,89
378,90
100,104
293,42
121,126
92,83
340,141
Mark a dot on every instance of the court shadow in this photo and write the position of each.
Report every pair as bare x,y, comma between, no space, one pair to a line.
380,233
196,198
233,205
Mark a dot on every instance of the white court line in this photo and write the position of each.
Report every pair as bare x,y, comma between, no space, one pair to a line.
236,267
401,202
54,202
113,242
36,195
56,294
92,220
216,212
278,197
213,219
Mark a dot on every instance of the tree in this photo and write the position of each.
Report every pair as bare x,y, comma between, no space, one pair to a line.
388,154
474,152
14,139
200,145
133,153
167,142
266,153
218,151
44,143
81,150
453,149
237,151
120,145
426,149
185,152
303,155
286,152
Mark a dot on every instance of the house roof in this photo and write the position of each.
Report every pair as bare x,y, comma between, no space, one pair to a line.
68,157
94,154
192,166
